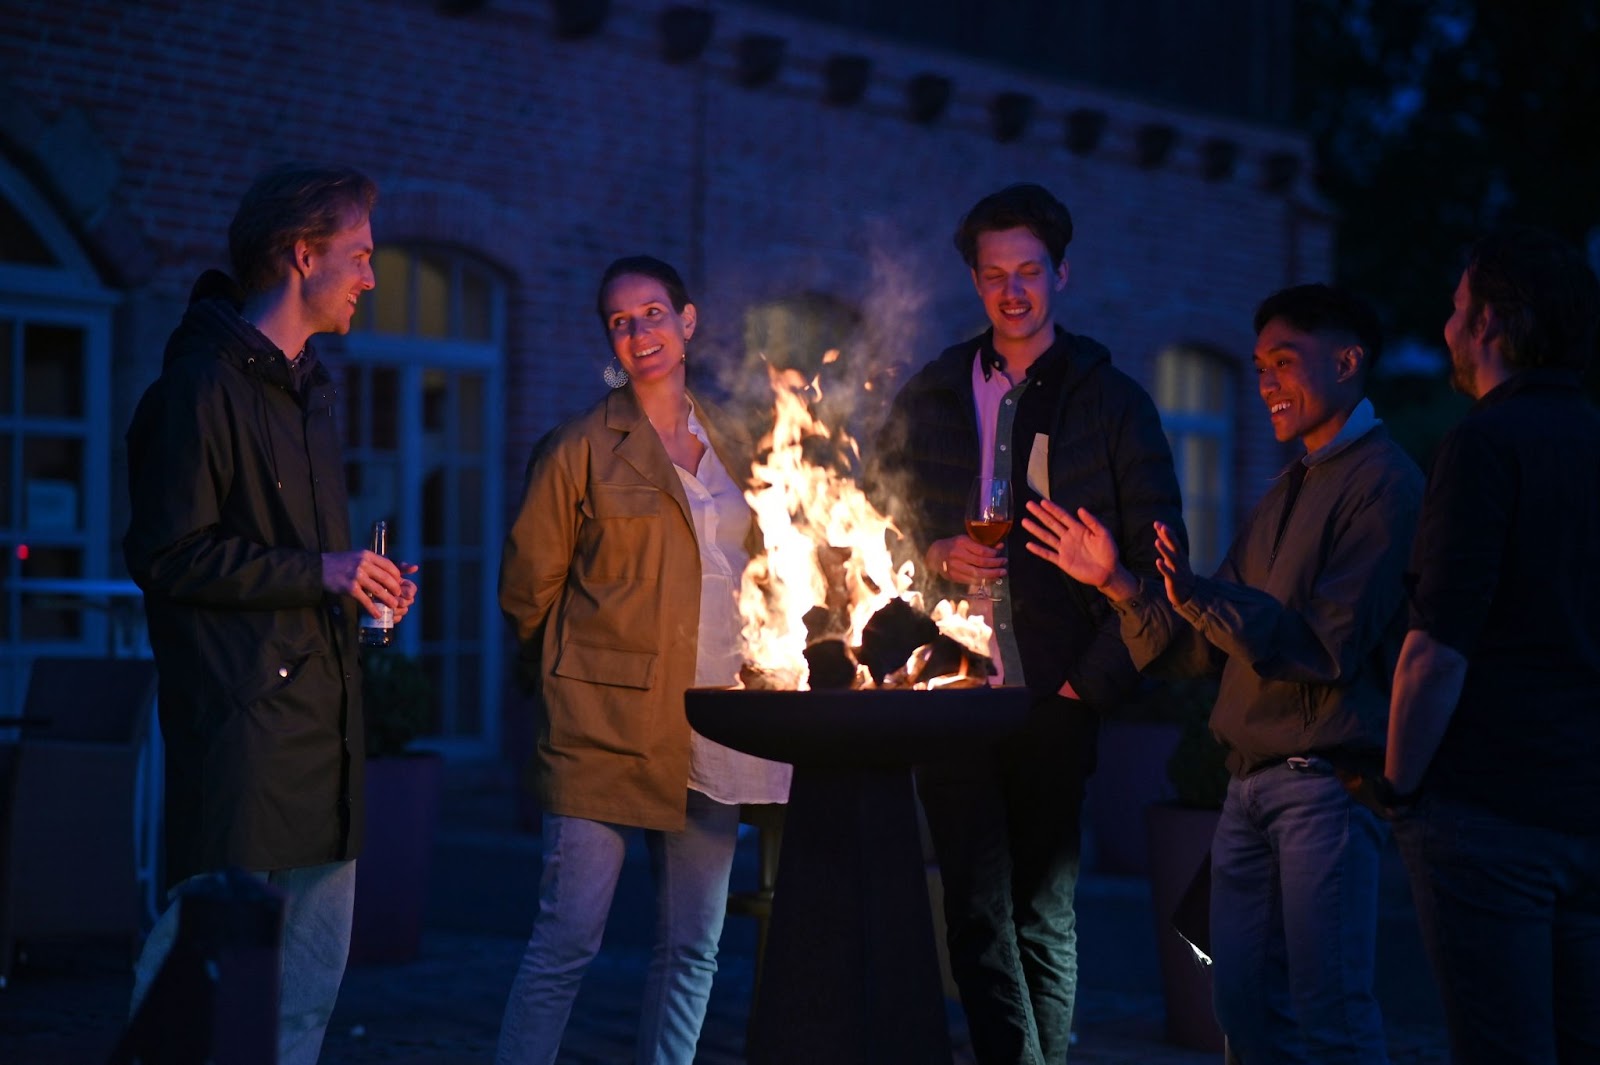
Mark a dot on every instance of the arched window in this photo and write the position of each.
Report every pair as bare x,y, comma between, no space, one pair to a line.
55,327
1194,390
423,379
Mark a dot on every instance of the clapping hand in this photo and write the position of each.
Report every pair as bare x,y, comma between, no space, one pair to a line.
1079,545
1172,562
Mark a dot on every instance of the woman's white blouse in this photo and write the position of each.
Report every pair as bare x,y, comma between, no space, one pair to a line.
721,522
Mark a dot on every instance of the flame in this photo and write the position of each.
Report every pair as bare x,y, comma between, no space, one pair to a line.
826,545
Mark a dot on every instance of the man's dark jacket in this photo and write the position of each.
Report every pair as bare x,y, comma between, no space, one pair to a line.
1107,453
238,489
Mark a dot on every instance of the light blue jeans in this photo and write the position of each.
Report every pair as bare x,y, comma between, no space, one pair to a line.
582,863
318,903
1294,920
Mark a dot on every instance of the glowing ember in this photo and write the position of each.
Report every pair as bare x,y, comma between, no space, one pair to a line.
827,568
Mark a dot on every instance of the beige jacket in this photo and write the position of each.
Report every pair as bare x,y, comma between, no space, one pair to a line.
600,575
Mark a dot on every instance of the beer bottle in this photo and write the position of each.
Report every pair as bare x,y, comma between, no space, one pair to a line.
378,631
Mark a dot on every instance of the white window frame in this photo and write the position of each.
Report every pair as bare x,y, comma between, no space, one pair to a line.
413,356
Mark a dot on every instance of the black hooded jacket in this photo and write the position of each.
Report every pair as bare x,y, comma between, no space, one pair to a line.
238,489
1107,452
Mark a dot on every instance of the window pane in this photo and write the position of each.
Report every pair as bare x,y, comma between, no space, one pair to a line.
53,380
7,332
392,296
8,566
52,617
378,496
469,589
52,482
434,581
1191,381
1202,467
435,509
469,696
355,416
433,296
5,481
476,295
361,321
434,667
469,508
385,408
1204,523
435,404
470,413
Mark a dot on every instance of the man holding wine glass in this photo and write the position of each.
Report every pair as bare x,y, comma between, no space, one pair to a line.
1023,412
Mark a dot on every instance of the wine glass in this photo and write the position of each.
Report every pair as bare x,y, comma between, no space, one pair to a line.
989,518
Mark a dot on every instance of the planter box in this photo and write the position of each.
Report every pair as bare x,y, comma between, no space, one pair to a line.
402,799
1180,839
1130,774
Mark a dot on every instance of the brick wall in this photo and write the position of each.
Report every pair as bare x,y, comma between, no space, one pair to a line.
548,157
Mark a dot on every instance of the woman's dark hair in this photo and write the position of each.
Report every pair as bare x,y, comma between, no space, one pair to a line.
644,266
1325,309
1030,207
287,204
1543,293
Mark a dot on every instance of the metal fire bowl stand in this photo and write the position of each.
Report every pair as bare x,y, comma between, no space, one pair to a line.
851,975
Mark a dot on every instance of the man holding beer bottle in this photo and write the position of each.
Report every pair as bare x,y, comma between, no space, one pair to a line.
240,539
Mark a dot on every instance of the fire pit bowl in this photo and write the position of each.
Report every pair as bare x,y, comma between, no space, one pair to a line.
871,728
850,974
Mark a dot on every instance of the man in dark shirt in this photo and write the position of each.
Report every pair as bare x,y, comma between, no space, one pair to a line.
1494,738
1029,402
1301,621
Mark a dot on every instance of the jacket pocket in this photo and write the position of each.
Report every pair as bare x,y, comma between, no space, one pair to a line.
622,535
625,500
607,665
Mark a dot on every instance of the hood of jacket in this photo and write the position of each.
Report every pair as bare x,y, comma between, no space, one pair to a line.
214,328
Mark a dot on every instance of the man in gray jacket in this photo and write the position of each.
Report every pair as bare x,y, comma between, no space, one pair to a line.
1301,621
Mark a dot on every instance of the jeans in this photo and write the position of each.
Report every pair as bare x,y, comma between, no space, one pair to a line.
1510,916
318,903
1294,919
1005,828
582,864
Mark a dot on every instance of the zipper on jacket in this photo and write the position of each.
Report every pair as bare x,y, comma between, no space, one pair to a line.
1297,479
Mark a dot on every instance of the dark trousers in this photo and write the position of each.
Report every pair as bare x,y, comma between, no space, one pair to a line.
1005,828
1510,914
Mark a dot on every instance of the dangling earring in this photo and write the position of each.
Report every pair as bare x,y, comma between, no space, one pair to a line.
614,374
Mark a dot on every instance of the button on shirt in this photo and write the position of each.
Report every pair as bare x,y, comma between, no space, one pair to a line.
721,522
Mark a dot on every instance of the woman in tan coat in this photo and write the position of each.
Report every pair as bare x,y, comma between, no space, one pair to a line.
621,575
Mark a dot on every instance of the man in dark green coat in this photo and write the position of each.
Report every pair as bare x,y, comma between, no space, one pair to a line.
240,539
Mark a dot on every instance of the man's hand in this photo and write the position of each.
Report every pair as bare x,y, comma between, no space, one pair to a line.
1172,562
1371,790
1079,546
965,561
369,579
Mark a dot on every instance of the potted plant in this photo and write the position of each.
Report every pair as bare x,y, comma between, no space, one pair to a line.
402,795
1180,832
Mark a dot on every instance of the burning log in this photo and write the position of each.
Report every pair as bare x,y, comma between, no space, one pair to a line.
941,663
891,634
904,648
832,665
